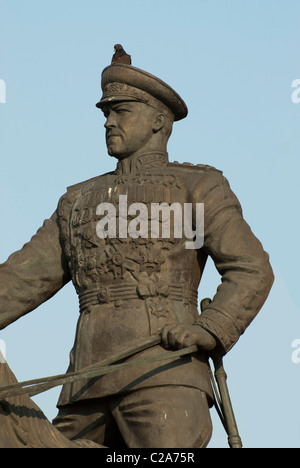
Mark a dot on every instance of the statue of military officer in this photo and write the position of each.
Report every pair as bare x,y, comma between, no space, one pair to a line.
136,283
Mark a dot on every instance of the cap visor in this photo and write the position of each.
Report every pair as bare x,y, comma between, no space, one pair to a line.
112,99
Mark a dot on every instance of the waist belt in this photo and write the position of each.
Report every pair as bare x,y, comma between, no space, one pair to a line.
125,291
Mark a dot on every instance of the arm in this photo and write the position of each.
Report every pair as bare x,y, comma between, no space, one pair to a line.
244,267
33,274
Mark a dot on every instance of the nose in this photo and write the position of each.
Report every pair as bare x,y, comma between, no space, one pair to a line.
110,121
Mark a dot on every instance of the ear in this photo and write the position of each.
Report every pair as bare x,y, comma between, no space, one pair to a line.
159,122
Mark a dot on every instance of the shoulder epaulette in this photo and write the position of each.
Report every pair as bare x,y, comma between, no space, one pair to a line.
199,167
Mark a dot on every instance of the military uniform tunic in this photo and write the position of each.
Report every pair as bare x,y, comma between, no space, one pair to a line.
131,287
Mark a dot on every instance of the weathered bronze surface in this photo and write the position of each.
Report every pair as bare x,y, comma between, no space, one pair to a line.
133,286
24,425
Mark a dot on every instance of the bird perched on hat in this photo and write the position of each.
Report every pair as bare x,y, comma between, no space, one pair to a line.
120,56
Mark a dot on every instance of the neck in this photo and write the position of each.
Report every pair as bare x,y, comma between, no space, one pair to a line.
142,161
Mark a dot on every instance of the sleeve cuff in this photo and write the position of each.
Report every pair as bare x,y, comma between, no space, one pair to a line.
217,325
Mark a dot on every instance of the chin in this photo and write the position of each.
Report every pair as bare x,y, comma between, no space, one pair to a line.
112,152
115,154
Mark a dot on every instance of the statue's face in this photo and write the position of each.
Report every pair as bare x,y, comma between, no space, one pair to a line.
129,127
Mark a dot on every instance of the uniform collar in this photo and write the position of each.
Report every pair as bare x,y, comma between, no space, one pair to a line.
142,162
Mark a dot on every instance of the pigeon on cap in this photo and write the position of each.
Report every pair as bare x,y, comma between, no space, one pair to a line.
123,82
120,56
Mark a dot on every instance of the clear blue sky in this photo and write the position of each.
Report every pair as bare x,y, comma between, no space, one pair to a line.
233,62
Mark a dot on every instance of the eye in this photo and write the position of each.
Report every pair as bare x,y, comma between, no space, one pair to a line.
122,110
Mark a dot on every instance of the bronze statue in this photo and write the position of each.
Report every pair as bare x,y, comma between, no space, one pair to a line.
133,282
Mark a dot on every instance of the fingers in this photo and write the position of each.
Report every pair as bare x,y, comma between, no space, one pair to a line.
176,337
182,336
